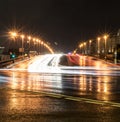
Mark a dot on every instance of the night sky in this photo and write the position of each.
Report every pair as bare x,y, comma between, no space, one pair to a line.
66,22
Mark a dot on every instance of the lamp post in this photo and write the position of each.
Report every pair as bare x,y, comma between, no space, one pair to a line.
39,46
22,37
98,50
84,47
42,43
34,43
13,35
81,48
29,38
105,49
90,41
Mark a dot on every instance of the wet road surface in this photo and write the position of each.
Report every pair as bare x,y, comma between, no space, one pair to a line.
21,106
86,95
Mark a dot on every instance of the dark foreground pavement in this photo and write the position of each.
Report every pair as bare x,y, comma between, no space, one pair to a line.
27,106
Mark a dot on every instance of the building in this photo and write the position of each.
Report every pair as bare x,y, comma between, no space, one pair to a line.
105,47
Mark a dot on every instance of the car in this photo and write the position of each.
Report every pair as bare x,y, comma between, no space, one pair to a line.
69,60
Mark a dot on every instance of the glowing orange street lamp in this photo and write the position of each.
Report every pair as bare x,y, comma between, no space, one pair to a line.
22,37
84,47
13,34
81,47
29,38
90,41
105,49
98,51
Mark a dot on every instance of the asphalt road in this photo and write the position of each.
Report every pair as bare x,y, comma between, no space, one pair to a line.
89,92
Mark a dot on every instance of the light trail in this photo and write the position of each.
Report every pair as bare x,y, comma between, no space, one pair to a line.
50,64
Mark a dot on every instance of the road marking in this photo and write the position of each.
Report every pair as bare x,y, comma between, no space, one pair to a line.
72,98
78,99
52,95
116,106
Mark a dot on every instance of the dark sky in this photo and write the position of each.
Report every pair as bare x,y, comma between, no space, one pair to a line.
66,22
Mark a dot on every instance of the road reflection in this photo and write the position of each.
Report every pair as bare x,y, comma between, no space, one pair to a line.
35,81
21,100
97,87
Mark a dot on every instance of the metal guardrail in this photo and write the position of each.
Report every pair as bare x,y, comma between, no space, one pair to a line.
10,61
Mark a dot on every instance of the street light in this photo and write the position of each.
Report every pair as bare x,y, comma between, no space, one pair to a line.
29,38
81,48
90,41
98,51
39,46
22,50
105,49
34,43
84,47
13,35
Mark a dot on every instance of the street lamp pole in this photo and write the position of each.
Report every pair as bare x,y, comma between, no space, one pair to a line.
13,36
34,44
39,46
105,49
81,48
98,51
90,47
29,38
115,54
84,47
22,36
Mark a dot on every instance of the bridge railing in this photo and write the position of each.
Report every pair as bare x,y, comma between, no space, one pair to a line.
5,63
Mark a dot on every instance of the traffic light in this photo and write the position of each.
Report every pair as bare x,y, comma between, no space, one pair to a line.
12,56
